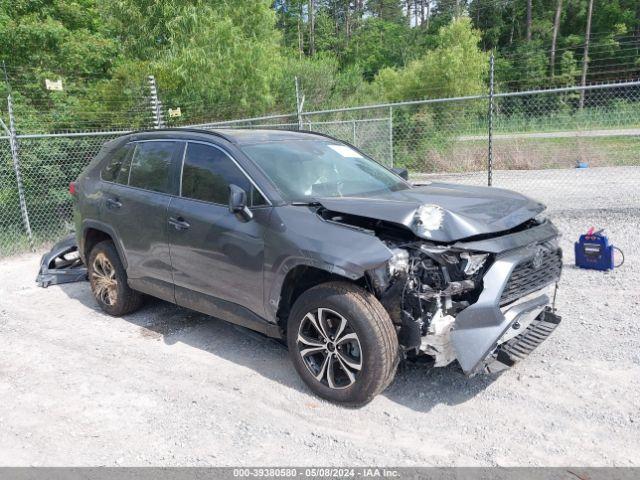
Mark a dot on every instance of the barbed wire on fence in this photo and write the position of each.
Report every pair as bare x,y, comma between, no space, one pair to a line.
534,132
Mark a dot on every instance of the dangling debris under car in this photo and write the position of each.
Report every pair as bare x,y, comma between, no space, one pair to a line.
62,264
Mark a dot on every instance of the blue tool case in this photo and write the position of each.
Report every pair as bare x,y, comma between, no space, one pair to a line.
594,251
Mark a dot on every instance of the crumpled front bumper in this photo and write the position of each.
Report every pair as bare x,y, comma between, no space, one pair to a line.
480,328
520,346
62,264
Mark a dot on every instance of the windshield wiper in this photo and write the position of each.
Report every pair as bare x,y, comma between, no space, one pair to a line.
313,203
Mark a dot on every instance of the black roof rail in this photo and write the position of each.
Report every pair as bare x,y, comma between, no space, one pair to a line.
185,129
230,138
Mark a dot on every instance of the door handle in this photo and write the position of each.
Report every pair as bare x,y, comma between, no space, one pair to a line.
179,223
113,203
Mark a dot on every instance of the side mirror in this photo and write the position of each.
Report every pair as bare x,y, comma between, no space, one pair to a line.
238,202
401,172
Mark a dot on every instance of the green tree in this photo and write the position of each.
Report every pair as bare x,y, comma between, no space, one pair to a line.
378,44
323,83
214,59
455,67
390,10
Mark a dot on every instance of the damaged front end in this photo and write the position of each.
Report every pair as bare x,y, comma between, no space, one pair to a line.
485,303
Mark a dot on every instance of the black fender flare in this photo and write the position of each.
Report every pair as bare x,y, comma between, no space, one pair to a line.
273,293
103,227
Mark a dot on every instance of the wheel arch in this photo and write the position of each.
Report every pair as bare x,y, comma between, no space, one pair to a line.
301,278
96,232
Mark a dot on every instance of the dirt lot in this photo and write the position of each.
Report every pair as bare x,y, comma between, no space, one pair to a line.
166,386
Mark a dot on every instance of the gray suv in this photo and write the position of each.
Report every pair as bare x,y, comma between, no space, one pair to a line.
304,238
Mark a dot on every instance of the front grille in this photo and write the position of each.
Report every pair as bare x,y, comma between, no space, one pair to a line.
528,277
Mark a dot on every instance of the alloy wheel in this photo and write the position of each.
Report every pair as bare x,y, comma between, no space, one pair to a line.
330,348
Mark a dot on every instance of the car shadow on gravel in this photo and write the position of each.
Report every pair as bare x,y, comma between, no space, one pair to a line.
421,387
163,321
416,386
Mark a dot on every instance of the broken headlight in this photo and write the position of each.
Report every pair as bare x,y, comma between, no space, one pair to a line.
466,262
399,261
473,262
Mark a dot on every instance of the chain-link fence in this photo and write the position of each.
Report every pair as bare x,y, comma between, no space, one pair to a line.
48,163
13,236
36,167
371,135
540,143
546,146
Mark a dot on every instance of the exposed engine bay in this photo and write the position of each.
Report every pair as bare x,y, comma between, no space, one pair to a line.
425,286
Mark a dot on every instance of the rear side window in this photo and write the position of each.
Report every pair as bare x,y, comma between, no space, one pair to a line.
151,166
118,159
207,173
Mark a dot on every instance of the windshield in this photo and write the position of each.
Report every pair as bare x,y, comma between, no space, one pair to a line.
307,169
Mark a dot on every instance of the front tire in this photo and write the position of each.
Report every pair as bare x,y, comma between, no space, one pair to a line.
108,280
342,343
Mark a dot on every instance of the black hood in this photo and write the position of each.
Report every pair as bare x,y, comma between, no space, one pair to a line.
466,211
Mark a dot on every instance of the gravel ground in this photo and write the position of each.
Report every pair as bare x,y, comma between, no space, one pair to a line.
167,386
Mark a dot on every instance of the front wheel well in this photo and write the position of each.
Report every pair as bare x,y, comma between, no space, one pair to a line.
93,236
300,279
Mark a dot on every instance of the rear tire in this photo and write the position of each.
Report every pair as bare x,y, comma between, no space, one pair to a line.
342,343
108,280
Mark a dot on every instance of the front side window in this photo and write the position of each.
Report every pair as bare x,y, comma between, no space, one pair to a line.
151,166
207,173
304,170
